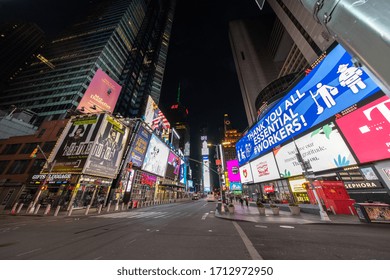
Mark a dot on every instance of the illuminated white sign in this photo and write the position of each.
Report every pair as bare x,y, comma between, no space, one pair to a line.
264,168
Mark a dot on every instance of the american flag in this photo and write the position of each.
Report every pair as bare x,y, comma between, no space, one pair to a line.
160,117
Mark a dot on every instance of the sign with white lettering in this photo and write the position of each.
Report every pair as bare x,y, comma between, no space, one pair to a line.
329,88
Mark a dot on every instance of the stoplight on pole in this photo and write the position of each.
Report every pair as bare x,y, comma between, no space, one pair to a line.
34,153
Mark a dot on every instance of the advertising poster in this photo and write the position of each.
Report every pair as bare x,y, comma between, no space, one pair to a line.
287,161
108,149
101,94
325,149
264,169
206,173
332,86
138,147
235,186
173,167
233,170
183,173
128,182
73,148
246,174
296,185
367,130
156,157
156,119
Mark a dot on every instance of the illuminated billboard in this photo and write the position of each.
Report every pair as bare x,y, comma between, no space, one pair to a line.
333,85
325,149
367,130
156,157
264,169
206,174
75,144
108,149
235,186
173,167
233,170
138,147
183,173
101,94
156,119
287,161
246,174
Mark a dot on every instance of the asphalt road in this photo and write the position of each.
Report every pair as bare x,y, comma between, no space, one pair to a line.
184,231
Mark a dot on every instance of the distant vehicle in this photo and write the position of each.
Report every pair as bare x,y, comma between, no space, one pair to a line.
195,197
211,198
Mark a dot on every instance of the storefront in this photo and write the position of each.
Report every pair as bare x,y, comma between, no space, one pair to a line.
168,189
143,186
90,190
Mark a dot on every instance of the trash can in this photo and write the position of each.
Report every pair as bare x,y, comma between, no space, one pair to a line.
361,212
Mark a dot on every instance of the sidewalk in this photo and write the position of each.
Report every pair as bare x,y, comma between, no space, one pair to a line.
251,214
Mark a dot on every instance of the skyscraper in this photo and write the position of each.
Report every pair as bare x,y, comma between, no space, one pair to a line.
127,39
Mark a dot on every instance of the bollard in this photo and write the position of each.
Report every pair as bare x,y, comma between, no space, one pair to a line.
87,210
47,210
37,209
70,211
100,208
13,211
128,205
57,210
29,207
19,208
116,206
108,206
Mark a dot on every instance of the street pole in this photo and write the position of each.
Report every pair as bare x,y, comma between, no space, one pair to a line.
324,216
50,165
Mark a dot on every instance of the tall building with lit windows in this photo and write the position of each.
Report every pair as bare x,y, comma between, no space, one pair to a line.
127,39
231,136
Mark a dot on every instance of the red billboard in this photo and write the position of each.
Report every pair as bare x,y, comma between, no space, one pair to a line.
101,95
367,130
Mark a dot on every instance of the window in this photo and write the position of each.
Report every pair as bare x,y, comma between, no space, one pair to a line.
18,167
37,166
11,149
28,148
3,165
43,130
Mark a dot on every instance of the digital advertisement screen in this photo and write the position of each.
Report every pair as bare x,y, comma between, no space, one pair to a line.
367,130
235,186
206,174
173,167
156,119
296,185
333,85
183,173
138,147
287,161
264,169
108,149
75,144
233,170
156,157
101,94
325,149
246,174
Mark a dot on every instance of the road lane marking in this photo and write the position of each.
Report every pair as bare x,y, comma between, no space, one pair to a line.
286,226
205,216
248,244
261,226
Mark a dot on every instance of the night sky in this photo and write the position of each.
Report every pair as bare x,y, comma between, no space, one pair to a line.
199,58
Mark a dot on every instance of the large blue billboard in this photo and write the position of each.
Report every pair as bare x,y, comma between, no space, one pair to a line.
334,85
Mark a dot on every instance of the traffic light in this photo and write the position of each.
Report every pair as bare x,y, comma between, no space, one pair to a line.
34,153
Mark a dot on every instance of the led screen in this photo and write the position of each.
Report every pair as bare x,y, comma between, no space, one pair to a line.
325,149
233,170
246,174
206,174
156,157
332,86
101,94
173,167
235,186
156,119
108,149
367,130
264,168
287,161
138,147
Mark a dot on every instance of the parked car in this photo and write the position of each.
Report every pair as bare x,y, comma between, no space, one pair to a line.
211,198
195,197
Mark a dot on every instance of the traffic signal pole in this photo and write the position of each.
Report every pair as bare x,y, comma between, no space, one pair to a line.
37,196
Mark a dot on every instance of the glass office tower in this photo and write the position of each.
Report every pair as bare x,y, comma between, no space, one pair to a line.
127,39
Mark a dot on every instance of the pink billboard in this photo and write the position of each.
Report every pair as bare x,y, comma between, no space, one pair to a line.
367,130
233,170
101,95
